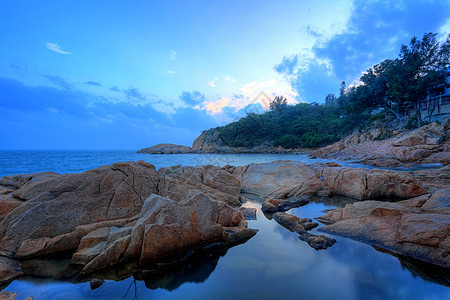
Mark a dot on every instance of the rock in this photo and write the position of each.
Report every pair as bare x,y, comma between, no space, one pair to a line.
106,193
10,269
274,205
299,225
166,229
7,295
280,179
318,242
167,149
177,181
413,228
96,283
370,184
249,213
428,144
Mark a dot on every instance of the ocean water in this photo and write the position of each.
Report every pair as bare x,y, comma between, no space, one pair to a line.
75,161
274,264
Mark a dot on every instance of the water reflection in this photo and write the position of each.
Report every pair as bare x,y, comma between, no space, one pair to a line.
274,264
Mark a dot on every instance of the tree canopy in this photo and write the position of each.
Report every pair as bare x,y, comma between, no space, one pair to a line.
395,85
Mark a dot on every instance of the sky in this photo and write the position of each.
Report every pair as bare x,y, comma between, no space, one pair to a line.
122,74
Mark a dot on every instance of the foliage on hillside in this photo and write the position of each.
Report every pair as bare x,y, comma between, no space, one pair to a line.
393,86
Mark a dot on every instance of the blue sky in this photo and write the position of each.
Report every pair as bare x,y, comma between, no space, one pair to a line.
130,74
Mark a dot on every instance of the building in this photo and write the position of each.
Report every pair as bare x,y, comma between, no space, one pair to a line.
436,106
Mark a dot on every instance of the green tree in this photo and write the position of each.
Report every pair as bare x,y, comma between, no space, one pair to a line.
278,104
420,67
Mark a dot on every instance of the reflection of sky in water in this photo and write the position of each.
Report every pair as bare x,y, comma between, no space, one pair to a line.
272,265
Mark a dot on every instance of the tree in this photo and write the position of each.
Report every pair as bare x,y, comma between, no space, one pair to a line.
342,89
421,66
278,104
329,99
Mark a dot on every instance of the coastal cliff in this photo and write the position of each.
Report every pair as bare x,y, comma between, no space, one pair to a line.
427,145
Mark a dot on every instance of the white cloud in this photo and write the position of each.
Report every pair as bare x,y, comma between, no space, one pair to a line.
173,55
55,48
229,78
212,83
171,71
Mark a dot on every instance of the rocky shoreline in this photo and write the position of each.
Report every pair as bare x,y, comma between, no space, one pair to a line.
130,217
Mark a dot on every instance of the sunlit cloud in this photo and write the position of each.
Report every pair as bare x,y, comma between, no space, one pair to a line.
171,71
261,92
173,55
55,48
212,83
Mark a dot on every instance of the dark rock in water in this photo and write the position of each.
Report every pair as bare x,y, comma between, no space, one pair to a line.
276,205
9,269
317,241
249,213
299,225
96,283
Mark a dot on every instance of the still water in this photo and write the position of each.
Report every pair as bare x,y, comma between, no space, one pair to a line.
274,264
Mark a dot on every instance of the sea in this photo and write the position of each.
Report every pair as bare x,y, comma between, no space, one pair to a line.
274,264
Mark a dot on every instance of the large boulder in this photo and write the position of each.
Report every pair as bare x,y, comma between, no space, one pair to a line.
370,184
219,184
166,229
279,179
416,228
57,205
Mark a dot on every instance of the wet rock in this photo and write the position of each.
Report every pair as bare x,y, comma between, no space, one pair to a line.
317,242
416,228
274,205
249,213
